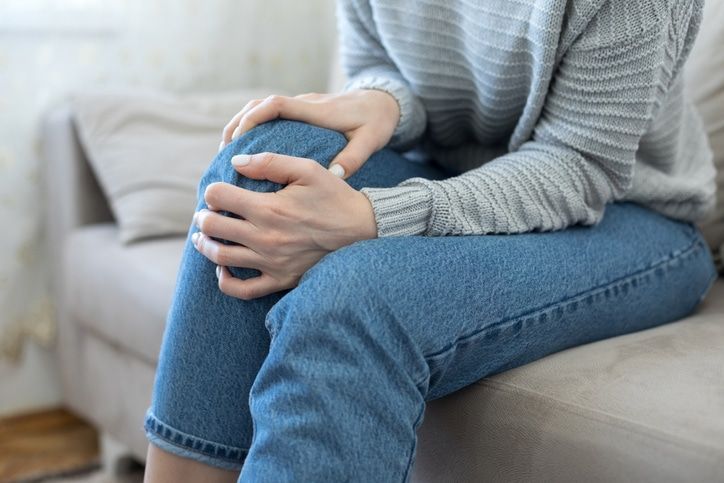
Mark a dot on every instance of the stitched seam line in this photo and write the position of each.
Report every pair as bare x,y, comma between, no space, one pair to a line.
157,427
695,244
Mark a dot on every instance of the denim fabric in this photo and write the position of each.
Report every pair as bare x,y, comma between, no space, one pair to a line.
328,381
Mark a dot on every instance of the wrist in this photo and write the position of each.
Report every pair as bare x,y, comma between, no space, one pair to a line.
386,106
389,105
367,223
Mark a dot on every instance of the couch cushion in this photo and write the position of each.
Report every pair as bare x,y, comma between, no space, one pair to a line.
121,292
149,150
647,406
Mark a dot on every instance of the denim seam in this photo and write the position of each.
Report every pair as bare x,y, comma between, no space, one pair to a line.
641,275
415,426
157,427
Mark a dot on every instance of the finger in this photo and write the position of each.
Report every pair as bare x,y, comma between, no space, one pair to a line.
293,108
239,201
249,288
215,225
278,168
311,96
269,109
227,255
234,122
358,150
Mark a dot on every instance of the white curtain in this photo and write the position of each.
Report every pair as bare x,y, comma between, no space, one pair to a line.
49,48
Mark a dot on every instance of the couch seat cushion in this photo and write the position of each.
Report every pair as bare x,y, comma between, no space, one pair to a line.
121,292
647,406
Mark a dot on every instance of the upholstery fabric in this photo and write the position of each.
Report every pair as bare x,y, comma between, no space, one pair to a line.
149,150
116,390
705,84
121,292
643,407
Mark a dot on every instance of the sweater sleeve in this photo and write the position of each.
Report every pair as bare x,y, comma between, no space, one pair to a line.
606,91
368,66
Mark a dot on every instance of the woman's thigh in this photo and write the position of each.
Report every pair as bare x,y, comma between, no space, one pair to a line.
214,344
467,307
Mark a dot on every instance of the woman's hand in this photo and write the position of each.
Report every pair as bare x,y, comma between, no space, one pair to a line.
367,118
284,233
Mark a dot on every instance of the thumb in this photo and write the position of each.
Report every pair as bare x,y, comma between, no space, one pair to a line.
353,156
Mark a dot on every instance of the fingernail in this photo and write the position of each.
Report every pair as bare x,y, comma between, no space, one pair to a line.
221,146
195,238
236,133
218,271
337,170
240,160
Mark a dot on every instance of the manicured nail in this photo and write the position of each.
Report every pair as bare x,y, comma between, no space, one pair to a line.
218,271
195,238
221,146
236,133
240,160
337,170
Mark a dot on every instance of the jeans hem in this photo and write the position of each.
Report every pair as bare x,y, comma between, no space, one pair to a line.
191,447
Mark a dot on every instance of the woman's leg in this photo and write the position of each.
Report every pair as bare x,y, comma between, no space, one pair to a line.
377,328
214,344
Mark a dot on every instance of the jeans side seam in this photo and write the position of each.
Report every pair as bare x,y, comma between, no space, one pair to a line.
415,426
640,275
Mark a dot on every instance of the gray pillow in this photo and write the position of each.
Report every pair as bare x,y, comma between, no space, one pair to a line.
149,150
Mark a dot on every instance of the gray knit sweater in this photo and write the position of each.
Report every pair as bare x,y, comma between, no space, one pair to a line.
543,111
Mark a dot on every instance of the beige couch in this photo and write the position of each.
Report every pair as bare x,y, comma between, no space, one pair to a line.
647,406
643,407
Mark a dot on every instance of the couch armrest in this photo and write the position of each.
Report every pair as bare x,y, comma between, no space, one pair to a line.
72,194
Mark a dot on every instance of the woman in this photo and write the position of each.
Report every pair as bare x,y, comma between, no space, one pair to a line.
558,171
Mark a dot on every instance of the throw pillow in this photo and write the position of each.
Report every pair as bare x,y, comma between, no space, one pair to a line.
149,150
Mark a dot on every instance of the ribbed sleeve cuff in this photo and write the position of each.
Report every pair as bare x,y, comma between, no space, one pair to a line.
400,210
412,113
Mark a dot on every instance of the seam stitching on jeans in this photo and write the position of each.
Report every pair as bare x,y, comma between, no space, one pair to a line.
415,426
157,422
668,259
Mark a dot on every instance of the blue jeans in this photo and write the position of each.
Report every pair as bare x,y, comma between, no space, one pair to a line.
328,381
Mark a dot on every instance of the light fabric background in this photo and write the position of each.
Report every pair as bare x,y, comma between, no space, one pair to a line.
50,48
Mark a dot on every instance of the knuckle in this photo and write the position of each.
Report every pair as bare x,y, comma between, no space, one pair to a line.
277,210
265,158
208,224
225,287
245,292
212,192
275,100
222,256
280,240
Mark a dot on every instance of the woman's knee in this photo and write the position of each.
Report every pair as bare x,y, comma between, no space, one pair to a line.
291,138
340,294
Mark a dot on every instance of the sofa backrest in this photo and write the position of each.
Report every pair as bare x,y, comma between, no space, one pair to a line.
705,85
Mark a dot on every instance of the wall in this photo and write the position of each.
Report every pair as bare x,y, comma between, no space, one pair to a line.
50,48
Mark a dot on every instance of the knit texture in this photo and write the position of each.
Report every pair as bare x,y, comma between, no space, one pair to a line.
542,111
